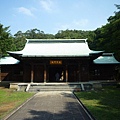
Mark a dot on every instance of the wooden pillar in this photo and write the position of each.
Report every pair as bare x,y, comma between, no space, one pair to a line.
66,73
45,74
32,73
79,70
88,72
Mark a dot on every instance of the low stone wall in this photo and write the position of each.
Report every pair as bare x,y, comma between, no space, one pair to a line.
14,86
5,84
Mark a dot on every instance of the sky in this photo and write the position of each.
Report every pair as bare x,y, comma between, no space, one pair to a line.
51,16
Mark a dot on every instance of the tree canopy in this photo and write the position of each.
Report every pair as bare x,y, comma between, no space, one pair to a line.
108,36
6,40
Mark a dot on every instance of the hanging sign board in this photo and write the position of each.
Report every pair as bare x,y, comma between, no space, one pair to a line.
55,62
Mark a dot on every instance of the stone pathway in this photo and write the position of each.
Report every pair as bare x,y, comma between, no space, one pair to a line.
51,106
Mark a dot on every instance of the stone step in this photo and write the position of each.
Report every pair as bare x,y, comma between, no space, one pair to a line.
51,87
28,87
37,88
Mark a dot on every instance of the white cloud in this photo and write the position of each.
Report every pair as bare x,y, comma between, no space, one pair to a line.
47,5
64,26
75,24
80,23
25,11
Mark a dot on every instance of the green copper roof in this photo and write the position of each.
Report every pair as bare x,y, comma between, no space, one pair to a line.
56,48
106,58
8,61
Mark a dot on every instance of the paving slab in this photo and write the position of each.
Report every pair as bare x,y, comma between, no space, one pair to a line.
51,106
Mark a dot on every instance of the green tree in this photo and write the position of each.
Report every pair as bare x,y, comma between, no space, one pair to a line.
6,40
108,36
75,34
20,37
19,40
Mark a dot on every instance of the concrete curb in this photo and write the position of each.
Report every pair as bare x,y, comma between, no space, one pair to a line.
16,109
84,108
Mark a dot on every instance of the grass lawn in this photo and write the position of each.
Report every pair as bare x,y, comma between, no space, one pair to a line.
103,104
10,99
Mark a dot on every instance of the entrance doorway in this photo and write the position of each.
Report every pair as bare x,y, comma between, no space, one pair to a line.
56,74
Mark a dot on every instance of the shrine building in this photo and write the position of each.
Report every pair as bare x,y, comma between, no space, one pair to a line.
52,60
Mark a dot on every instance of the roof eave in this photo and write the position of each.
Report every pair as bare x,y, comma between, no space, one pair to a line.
106,63
60,56
95,54
15,55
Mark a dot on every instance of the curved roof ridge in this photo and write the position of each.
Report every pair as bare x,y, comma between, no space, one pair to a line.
56,40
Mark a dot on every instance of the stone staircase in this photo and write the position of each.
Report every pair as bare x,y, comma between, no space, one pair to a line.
54,87
80,86
37,87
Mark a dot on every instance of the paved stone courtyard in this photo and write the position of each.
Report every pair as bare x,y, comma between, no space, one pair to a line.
51,106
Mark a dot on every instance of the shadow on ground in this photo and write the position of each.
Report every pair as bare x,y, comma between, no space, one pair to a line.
62,106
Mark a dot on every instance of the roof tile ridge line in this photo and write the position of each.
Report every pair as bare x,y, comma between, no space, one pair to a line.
56,39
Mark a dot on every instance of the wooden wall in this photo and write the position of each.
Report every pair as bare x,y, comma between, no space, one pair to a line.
79,70
11,73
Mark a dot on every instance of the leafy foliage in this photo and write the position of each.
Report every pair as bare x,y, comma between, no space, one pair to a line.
75,34
37,34
20,38
6,40
108,36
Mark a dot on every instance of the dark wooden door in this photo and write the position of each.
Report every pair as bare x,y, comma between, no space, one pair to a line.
27,73
38,73
73,73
